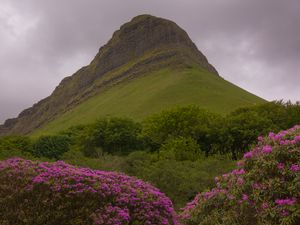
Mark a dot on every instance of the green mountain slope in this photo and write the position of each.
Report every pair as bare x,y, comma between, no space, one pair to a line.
149,64
155,92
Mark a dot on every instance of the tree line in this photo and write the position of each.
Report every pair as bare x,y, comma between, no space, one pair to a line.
182,133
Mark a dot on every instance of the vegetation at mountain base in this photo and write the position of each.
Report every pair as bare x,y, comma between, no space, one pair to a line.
264,189
114,135
179,151
52,147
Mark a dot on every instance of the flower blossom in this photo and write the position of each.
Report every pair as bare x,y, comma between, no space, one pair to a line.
294,168
267,149
286,201
280,166
248,155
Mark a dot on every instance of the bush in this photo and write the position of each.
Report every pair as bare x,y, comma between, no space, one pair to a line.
15,146
189,122
112,135
57,193
52,147
265,189
21,143
242,129
179,180
180,149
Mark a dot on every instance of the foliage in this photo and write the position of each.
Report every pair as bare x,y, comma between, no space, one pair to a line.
242,128
57,193
76,133
180,180
282,114
52,147
180,149
112,135
215,134
15,146
189,121
22,143
265,189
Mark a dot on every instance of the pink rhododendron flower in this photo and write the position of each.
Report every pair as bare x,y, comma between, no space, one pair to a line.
106,198
238,172
240,181
287,201
265,205
297,138
272,135
284,213
260,138
267,149
248,155
280,166
295,168
240,163
245,197
258,179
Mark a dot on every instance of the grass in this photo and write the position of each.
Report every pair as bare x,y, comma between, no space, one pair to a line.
153,93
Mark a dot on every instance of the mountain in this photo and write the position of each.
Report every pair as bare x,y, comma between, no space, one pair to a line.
148,65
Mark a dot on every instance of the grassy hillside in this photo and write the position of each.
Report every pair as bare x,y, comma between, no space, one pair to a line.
154,92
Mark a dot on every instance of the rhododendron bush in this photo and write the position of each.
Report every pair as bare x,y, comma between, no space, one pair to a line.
264,189
57,193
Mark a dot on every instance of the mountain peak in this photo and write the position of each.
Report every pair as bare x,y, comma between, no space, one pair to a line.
150,31
146,33
141,46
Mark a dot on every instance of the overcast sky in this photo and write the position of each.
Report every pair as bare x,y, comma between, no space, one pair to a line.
253,43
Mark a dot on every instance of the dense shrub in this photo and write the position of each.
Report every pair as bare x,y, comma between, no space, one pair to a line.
76,133
283,114
21,143
112,135
188,121
179,180
15,146
215,134
265,189
52,147
242,127
180,149
52,194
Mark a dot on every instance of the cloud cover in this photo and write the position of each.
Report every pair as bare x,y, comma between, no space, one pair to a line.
252,43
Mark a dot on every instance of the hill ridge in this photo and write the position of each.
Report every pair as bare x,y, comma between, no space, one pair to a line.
141,46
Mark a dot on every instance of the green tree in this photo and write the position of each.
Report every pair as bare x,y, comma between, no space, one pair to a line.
180,149
52,147
242,129
112,135
188,121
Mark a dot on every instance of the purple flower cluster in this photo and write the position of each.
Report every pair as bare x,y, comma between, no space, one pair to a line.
104,197
286,201
264,187
295,168
267,149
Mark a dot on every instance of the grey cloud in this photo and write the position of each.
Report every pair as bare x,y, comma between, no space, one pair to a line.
252,43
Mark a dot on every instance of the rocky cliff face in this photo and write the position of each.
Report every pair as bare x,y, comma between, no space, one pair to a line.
144,44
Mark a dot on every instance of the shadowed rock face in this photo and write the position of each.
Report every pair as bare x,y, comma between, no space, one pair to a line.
144,44
140,35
